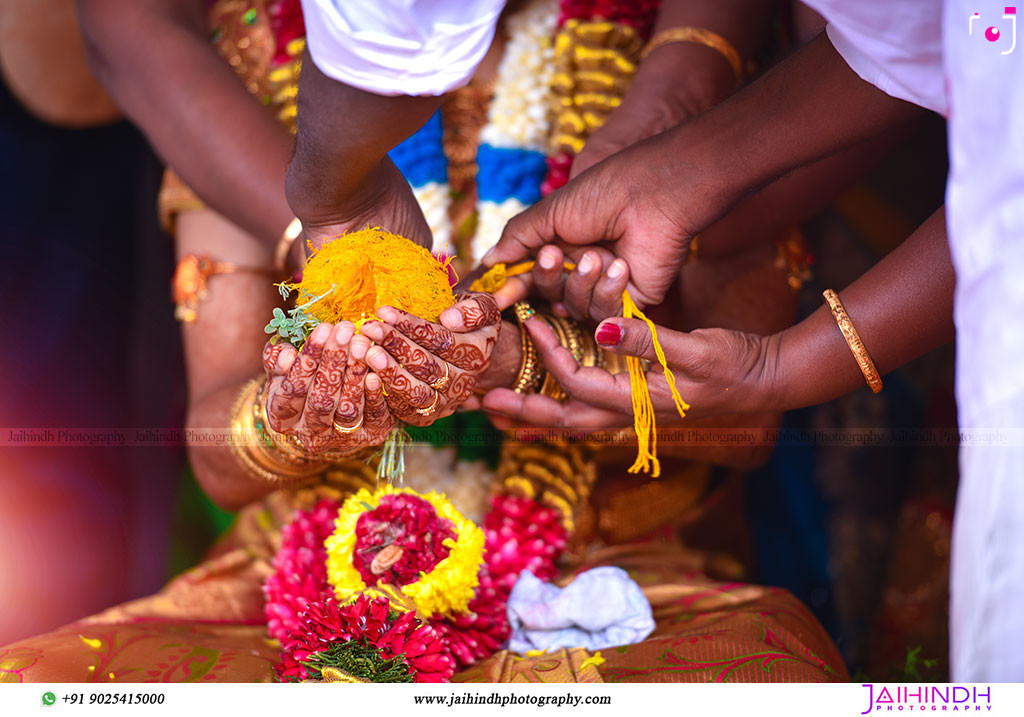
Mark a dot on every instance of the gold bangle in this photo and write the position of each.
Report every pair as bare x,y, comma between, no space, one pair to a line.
243,435
867,366
702,37
579,343
530,371
288,449
284,245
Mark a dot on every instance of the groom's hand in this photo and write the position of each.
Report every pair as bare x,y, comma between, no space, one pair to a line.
384,199
643,205
340,177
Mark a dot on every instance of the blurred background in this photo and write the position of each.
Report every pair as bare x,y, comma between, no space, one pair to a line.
861,535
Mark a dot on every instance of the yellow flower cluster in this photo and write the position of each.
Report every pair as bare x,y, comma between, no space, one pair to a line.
595,63
361,271
446,590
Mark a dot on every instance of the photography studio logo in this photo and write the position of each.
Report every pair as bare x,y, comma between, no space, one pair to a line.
996,34
928,698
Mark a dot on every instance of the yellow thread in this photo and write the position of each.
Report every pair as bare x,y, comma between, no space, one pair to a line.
644,422
592,661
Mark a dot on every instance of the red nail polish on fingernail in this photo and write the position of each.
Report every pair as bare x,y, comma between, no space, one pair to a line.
609,334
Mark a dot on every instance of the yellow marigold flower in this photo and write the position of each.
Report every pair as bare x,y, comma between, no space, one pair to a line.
373,268
446,590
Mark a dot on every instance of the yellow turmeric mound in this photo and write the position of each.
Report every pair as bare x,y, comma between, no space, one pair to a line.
369,269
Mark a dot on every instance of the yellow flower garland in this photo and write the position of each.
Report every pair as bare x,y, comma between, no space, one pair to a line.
446,590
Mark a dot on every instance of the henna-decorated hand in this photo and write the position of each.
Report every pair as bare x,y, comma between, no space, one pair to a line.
312,391
430,369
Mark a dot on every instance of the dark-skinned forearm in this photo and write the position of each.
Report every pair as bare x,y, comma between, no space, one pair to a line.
705,72
902,308
344,134
813,105
797,196
217,469
222,350
157,61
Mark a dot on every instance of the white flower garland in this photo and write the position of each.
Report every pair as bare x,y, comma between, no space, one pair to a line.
519,115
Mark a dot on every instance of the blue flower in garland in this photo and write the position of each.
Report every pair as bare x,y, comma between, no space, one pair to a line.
509,172
421,158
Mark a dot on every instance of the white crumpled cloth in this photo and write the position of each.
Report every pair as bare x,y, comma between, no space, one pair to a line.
601,608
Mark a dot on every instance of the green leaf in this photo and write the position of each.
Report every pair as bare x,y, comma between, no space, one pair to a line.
357,658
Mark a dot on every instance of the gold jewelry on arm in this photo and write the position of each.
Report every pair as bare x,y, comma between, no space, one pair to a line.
189,285
256,448
284,245
290,447
700,36
533,377
531,372
867,366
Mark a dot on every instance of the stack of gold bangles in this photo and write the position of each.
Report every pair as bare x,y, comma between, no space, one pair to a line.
266,454
532,374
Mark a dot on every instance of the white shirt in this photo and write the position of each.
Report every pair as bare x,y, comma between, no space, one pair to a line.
400,47
895,45
938,55
904,48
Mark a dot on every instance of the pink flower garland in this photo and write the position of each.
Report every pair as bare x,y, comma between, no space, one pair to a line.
300,568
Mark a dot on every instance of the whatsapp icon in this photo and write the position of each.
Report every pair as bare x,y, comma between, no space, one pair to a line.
49,698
